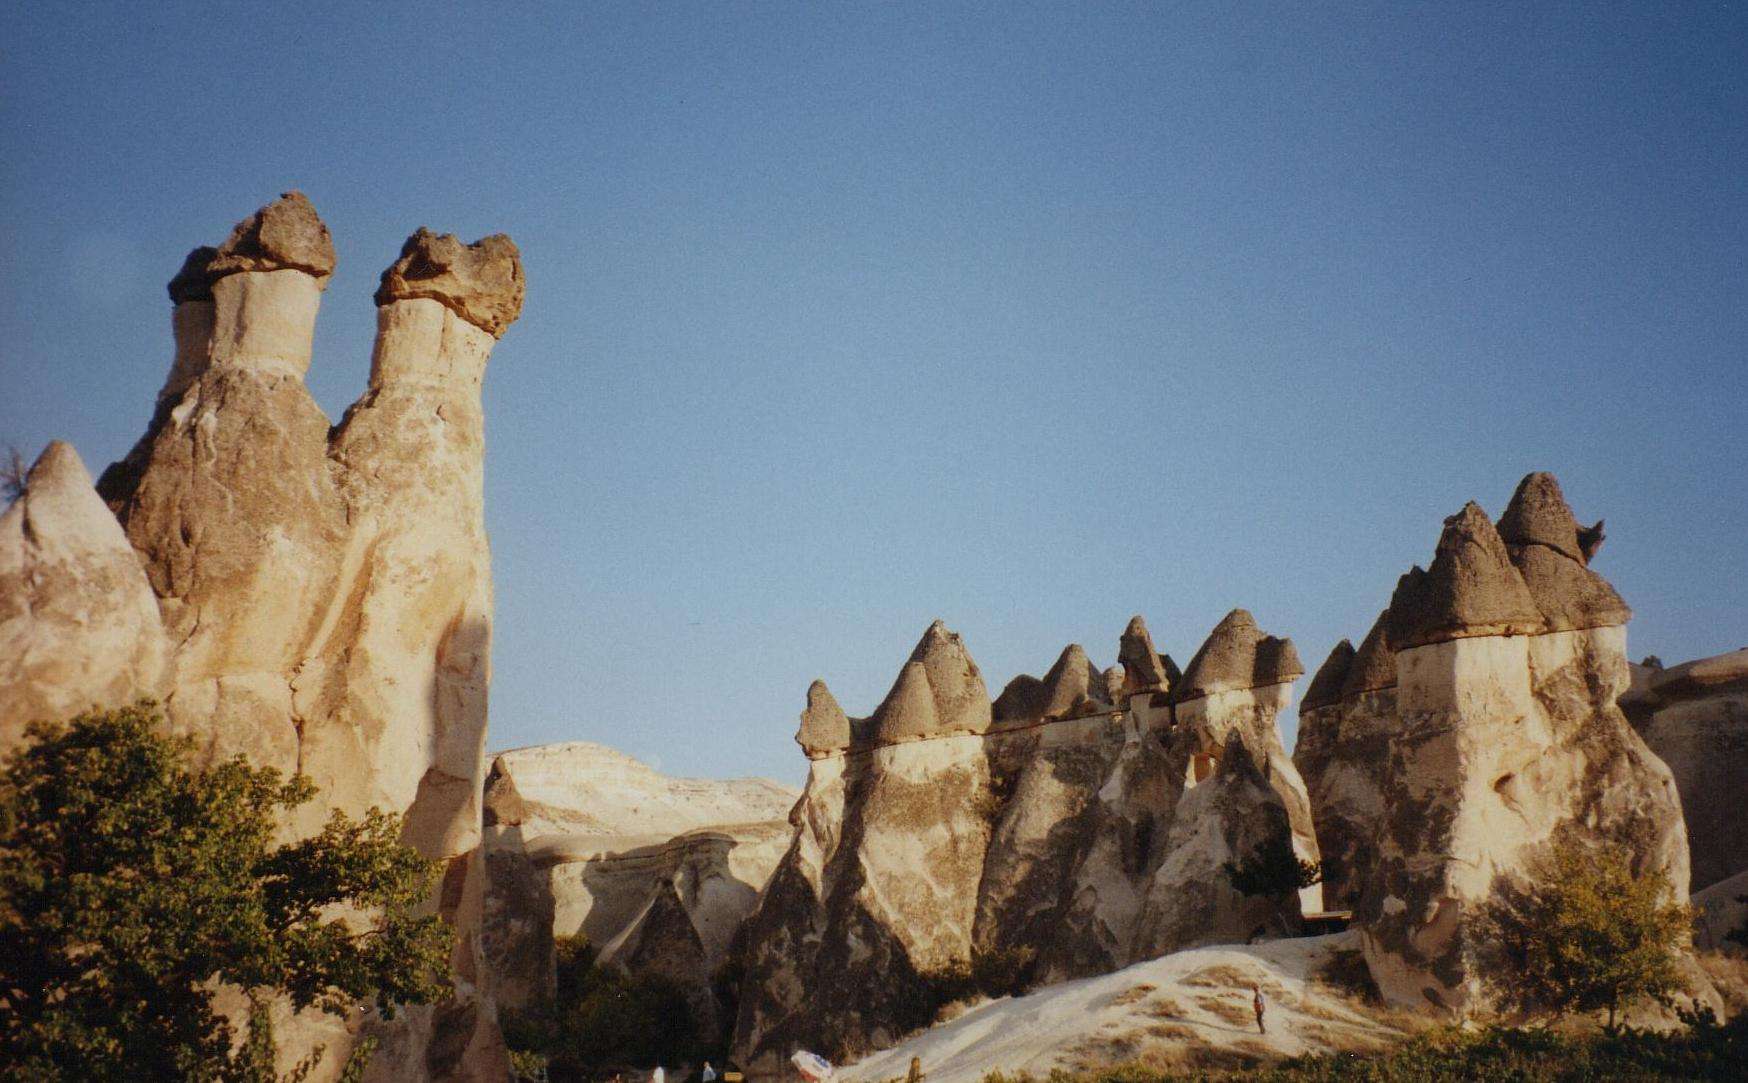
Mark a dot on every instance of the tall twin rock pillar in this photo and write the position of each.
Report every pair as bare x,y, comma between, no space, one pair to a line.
315,597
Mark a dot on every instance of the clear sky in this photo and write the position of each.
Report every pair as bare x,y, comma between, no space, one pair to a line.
841,319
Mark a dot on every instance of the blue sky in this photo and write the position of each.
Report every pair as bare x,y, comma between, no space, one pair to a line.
841,319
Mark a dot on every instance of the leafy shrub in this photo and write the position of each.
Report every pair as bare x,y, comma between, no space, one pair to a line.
1272,869
131,886
1585,935
601,1019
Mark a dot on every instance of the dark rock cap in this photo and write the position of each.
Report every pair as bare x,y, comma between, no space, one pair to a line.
194,281
480,282
1552,553
824,726
1472,589
287,234
908,711
1238,655
1331,675
1539,515
1374,664
1023,700
1074,685
1142,670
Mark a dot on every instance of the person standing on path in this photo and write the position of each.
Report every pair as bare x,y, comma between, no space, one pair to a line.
1256,1002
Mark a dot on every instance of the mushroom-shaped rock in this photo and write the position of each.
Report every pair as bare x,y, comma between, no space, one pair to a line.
480,282
824,726
1142,668
287,234
1331,675
1237,655
1374,665
1545,544
1471,589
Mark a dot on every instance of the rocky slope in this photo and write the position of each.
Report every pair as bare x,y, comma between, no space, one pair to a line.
316,596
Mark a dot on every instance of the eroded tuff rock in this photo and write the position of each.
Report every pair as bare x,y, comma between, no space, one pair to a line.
1032,846
1471,589
657,872
480,282
1694,716
1346,722
1143,667
1509,740
79,624
323,593
1238,787
877,893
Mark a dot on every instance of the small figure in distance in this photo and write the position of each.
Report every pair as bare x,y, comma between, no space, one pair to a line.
709,1075
915,1075
1256,1002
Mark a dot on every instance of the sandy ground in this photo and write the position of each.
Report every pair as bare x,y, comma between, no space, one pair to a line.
1189,1009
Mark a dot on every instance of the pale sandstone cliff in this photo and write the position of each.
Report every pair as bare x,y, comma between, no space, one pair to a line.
320,596
657,872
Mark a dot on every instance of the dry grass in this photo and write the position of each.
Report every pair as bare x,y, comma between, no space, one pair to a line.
1167,1008
1239,1015
1134,994
1225,977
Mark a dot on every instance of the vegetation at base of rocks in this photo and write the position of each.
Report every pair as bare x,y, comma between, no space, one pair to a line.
1272,869
601,1020
132,887
1704,1051
1585,935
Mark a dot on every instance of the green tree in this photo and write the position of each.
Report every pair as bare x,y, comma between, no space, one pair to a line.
131,886
1585,935
1272,869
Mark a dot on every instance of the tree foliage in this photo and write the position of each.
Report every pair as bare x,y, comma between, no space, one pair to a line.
1585,935
131,887
1272,869
601,1020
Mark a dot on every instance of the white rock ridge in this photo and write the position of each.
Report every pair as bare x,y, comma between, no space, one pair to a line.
657,872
